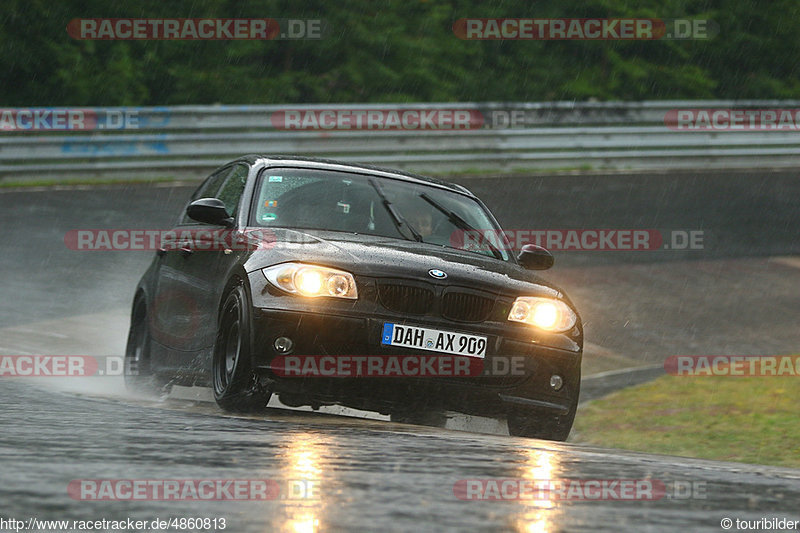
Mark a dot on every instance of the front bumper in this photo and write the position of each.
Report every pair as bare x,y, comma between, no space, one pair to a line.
526,385
353,328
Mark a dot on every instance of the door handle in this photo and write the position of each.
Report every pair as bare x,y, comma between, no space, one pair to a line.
186,251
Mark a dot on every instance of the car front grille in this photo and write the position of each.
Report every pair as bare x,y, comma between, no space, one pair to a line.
456,305
466,307
406,299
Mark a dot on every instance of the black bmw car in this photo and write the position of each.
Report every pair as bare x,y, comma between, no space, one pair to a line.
277,258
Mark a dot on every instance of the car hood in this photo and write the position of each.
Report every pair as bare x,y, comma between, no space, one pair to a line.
383,257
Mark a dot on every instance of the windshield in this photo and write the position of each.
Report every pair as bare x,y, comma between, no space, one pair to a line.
371,205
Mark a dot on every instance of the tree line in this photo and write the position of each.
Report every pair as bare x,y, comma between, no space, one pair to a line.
395,51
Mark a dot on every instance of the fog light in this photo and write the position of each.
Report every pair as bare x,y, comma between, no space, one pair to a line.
283,345
556,382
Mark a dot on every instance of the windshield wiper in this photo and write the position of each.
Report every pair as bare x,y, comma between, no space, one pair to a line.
460,223
398,220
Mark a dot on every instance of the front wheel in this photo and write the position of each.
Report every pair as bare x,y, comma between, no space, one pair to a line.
236,387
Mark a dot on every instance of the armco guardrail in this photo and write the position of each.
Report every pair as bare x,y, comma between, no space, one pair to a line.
190,140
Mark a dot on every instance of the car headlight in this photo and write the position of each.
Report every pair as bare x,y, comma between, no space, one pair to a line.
544,313
312,280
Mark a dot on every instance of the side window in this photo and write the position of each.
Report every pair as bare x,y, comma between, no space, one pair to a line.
233,188
208,189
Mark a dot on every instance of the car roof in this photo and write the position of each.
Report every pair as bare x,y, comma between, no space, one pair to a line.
331,164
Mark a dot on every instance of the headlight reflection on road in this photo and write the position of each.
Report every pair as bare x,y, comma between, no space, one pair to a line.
303,471
304,463
539,515
307,523
542,464
534,523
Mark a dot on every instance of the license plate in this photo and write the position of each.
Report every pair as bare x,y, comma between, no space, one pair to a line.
433,340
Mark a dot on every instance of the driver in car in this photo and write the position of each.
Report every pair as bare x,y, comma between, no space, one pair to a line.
422,221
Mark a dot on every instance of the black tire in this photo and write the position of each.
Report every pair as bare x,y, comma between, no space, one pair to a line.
538,425
139,377
236,387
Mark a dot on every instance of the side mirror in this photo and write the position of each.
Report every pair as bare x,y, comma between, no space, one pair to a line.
535,257
210,211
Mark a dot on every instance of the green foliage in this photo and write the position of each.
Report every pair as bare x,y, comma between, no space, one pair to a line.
701,416
394,51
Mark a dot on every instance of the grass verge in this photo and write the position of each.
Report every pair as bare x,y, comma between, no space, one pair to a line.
741,419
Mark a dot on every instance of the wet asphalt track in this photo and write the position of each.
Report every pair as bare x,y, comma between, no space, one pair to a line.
370,475
375,475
